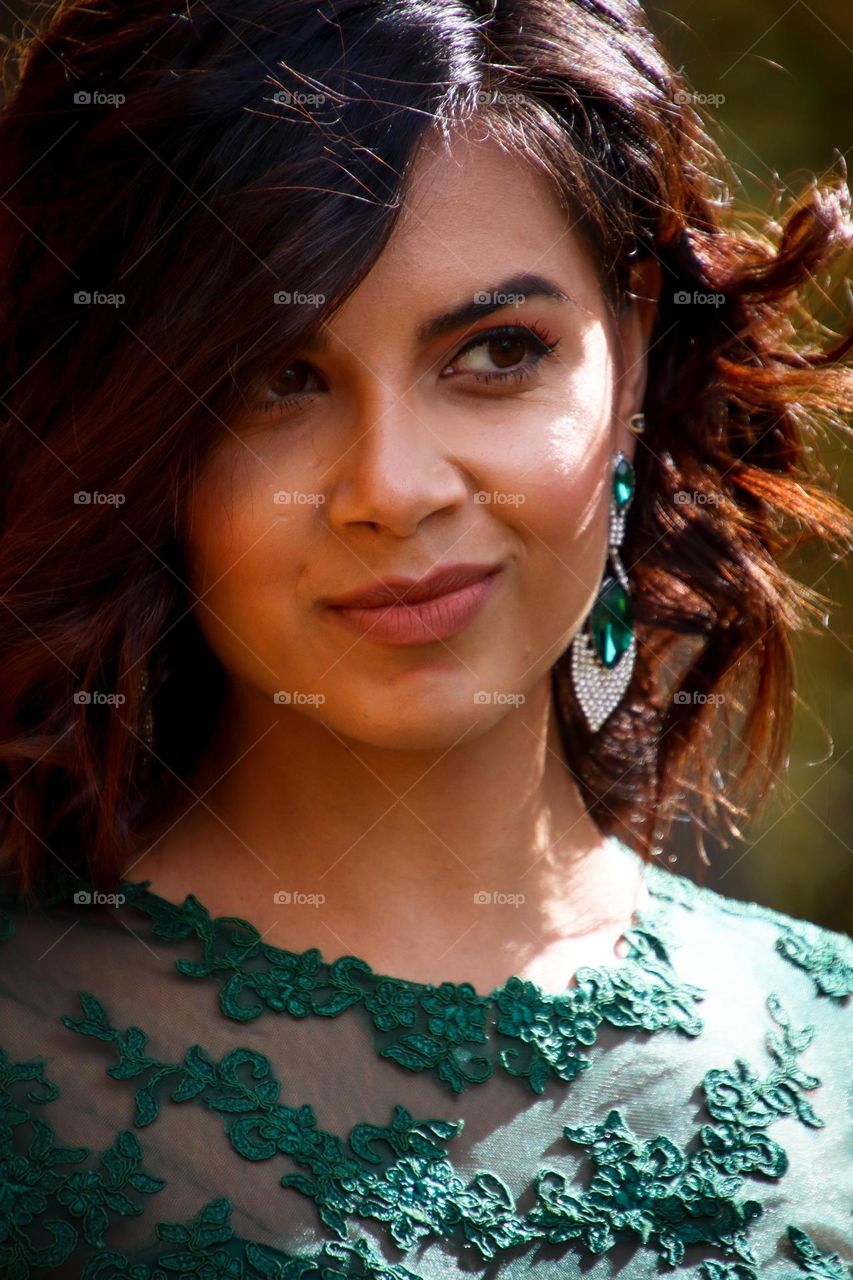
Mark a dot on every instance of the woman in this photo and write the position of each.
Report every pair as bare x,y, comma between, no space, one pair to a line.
355,354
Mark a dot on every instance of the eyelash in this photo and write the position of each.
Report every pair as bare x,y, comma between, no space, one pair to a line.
540,339
544,345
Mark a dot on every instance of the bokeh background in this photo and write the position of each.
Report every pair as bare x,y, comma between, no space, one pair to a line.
775,83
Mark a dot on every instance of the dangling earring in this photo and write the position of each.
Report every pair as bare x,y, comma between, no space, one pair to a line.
603,652
148,715
637,423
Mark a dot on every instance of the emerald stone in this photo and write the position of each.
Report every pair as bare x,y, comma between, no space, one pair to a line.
611,622
623,482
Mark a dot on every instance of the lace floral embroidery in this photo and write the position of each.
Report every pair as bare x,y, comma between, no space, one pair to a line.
437,1028
40,1183
825,955
418,1195
660,1195
810,1261
829,964
822,1266
33,1186
208,1248
647,1191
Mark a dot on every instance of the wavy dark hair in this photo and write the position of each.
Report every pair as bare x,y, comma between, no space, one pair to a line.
158,154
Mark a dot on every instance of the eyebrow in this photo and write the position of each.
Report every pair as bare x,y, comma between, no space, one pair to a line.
528,285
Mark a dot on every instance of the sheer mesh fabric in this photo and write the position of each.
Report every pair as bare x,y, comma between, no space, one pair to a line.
696,1145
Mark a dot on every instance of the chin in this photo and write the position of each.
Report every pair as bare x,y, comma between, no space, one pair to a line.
435,727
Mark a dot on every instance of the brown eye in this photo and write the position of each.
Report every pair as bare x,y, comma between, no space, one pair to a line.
288,388
507,351
291,381
500,355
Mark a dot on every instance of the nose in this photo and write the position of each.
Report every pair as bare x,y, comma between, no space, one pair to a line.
397,471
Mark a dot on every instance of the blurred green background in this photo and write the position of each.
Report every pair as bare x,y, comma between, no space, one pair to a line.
784,73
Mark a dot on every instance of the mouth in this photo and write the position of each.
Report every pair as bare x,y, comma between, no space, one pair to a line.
413,590
438,615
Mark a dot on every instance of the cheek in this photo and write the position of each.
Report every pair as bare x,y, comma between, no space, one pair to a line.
241,548
565,533
562,479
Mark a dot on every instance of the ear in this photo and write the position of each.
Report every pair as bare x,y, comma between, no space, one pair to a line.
635,327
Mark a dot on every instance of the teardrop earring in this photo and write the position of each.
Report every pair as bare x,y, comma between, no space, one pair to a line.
147,717
604,650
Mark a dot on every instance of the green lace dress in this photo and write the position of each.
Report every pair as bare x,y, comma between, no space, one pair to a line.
179,1098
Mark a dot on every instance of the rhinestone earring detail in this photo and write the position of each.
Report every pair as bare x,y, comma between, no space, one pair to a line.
604,650
148,716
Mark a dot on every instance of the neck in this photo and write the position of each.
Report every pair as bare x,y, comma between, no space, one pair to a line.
394,837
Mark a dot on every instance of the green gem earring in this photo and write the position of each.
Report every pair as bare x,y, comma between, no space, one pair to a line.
604,650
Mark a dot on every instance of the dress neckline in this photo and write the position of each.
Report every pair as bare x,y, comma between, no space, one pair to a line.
640,939
448,1030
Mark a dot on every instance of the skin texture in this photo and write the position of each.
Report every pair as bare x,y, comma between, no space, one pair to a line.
399,796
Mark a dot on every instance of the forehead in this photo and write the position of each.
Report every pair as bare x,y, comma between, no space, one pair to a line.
474,214
472,192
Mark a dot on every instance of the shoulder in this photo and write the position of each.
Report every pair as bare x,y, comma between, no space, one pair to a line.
748,946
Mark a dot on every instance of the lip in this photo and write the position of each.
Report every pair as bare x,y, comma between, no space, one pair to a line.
413,590
403,622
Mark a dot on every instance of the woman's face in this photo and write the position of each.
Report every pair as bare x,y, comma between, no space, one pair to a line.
407,446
